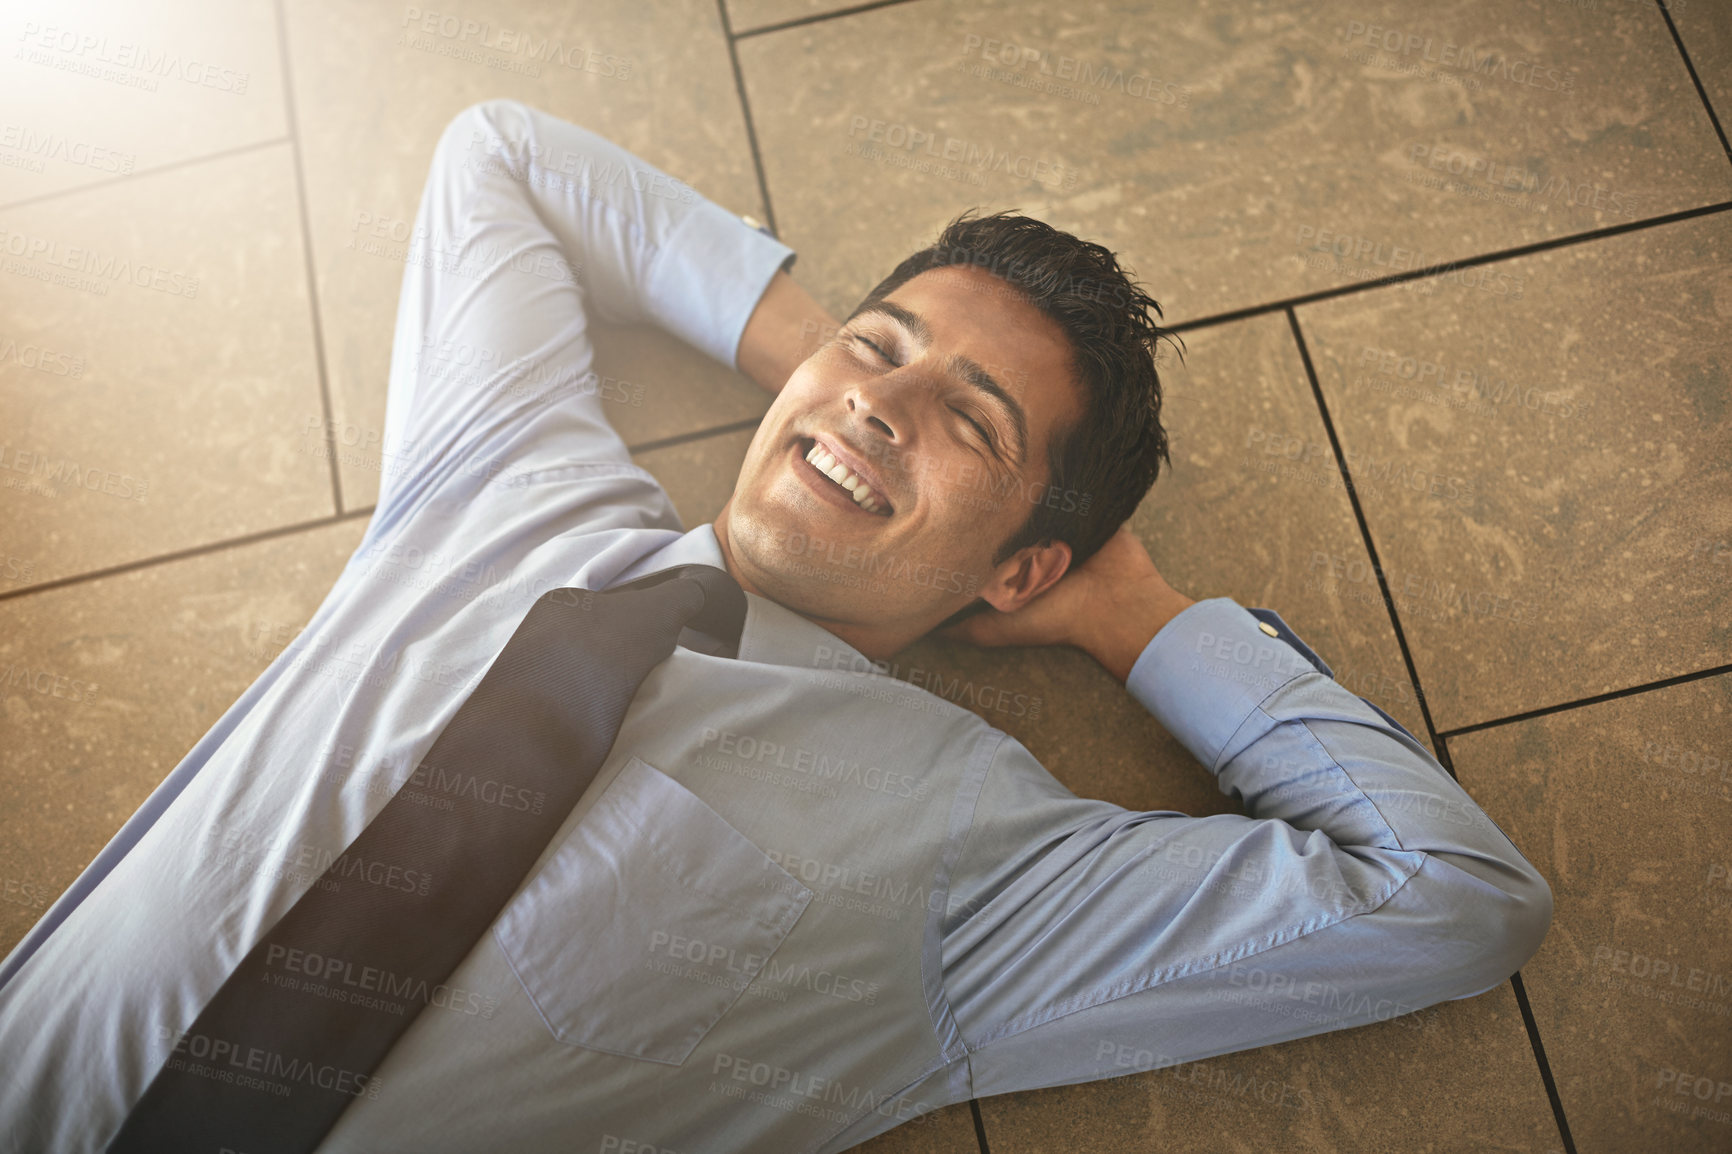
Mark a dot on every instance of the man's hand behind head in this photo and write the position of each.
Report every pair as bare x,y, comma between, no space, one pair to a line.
1110,608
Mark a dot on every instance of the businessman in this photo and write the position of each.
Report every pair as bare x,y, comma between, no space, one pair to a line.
800,903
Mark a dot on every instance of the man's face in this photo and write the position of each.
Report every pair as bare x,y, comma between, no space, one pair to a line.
941,400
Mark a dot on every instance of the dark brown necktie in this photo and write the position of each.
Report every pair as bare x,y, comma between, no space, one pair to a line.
423,881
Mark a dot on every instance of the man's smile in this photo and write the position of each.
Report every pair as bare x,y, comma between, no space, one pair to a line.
839,477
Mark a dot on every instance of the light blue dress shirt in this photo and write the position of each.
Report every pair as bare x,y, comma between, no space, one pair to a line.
800,904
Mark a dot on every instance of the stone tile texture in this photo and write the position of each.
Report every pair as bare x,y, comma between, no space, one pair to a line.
1626,807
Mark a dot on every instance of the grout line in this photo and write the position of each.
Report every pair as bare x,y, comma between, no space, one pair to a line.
1289,303
1521,994
1370,547
1695,79
191,551
331,457
316,523
746,113
798,21
171,166
979,1126
699,435
1610,695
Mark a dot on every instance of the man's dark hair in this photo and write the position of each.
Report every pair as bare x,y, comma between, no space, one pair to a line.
1101,467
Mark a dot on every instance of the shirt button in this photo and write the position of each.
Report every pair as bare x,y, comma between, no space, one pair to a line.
1268,628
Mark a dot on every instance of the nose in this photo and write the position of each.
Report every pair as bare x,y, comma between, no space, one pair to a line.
879,409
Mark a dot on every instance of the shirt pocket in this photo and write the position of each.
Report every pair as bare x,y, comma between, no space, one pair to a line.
648,923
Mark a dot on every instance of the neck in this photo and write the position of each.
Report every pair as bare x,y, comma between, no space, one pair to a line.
879,642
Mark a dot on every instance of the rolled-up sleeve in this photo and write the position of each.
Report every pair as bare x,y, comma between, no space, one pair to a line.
1360,884
529,229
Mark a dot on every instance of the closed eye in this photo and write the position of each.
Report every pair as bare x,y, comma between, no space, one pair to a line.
871,346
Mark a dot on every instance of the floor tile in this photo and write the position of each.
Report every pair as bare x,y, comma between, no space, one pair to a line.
97,89
1226,151
1626,806
1586,432
1707,35
106,685
156,367
1233,517
374,88
699,475
1459,1076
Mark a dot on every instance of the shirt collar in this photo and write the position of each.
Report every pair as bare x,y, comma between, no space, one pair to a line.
773,634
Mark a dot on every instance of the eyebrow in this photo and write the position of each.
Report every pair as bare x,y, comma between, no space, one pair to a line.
959,365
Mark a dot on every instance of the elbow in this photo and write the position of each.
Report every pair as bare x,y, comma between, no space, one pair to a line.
1503,929
1527,917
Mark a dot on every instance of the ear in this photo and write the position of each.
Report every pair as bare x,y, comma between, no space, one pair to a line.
1031,571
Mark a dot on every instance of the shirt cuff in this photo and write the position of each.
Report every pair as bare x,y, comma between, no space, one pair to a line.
1207,670
709,276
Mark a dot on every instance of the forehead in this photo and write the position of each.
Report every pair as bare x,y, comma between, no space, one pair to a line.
975,314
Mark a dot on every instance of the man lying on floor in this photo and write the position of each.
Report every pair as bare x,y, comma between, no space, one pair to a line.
799,902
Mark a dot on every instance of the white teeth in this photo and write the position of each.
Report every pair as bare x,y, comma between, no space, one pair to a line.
826,463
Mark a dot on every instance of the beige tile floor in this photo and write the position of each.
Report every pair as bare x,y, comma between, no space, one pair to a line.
1455,401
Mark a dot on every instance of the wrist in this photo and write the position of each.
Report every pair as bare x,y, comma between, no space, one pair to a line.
785,328
1117,636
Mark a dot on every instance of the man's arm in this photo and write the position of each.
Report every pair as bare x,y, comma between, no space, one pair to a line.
529,229
786,327
1361,883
